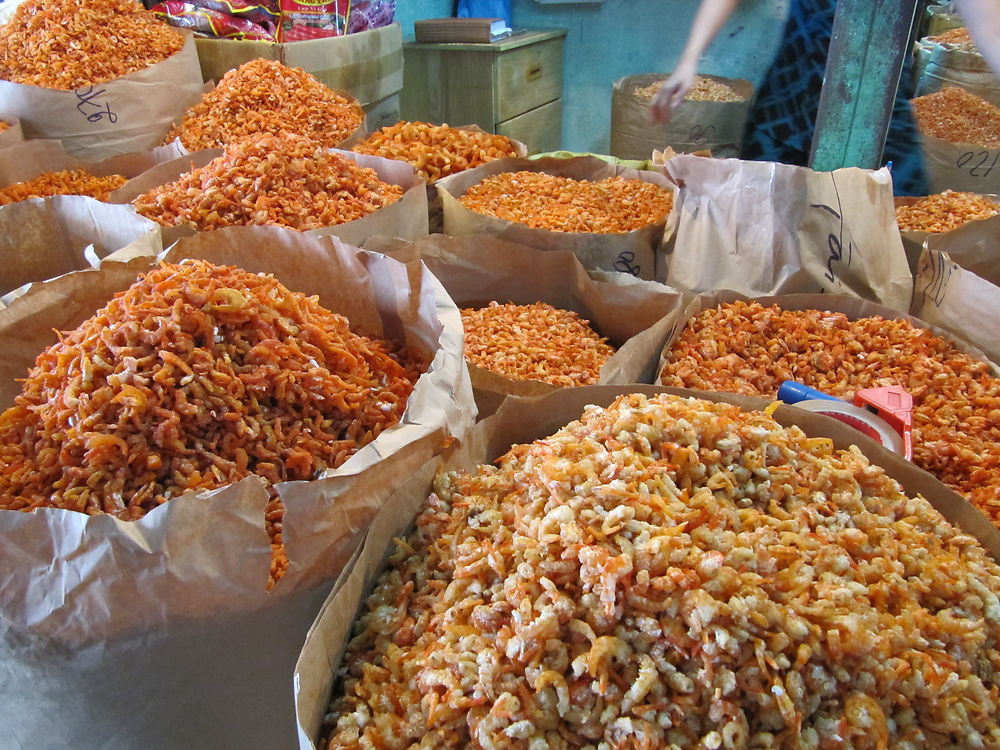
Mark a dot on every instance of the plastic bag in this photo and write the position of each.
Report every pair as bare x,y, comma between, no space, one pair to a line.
485,9
211,23
371,14
305,20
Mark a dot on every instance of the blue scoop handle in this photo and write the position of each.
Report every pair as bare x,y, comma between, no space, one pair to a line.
792,392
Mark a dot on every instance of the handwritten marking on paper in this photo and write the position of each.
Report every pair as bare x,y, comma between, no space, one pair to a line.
975,162
87,104
701,134
937,273
624,262
835,240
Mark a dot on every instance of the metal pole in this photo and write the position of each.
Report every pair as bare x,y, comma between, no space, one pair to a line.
869,43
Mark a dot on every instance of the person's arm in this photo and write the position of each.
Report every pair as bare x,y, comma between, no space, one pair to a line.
711,16
982,19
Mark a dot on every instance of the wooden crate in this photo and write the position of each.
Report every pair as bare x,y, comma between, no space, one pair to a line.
512,87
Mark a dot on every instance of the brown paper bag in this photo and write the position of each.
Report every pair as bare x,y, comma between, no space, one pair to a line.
957,285
12,135
522,420
635,316
406,218
127,115
768,228
634,252
693,126
159,633
45,237
27,160
961,166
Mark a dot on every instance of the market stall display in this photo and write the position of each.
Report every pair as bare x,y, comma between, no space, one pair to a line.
662,571
265,97
751,347
437,150
286,180
221,19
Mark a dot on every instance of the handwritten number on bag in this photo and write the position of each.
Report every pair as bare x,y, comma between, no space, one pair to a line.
835,240
974,162
701,134
938,275
92,109
624,263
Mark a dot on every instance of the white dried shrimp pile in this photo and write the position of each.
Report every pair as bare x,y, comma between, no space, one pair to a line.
193,378
669,573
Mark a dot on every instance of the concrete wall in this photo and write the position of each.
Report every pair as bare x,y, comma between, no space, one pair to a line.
616,38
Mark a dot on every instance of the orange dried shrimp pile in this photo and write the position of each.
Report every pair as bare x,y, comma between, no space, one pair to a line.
944,211
65,182
4,125
436,150
670,573
745,347
66,44
959,37
958,116
287,180
534,342
562,204
195,377
264,97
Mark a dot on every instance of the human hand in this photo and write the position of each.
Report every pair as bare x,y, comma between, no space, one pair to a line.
671,94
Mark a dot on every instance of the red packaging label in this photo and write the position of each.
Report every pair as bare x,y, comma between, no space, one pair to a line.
308,20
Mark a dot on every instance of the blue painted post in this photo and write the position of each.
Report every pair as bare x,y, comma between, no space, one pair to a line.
869,43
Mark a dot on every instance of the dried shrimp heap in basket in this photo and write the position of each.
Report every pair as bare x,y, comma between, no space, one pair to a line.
66,44
747,348
670,573
436,150
534,342
945,211
563,204
193,378
65,182
287,180
265,97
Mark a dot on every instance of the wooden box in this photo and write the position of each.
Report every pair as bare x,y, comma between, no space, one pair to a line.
512,87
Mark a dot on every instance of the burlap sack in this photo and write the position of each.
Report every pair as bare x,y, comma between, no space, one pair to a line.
693,126
159,633
127,115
